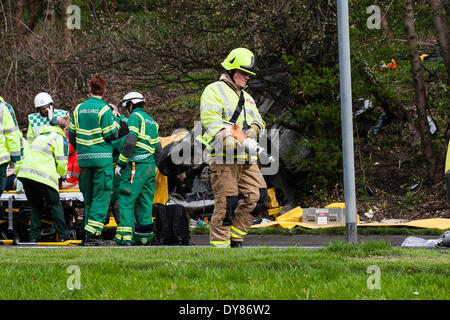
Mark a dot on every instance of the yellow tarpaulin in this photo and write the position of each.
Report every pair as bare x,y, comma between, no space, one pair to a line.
433,223
294,218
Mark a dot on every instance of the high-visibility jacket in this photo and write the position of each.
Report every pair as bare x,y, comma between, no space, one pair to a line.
93,122
46,158
10,134
145,129
218,103
36,121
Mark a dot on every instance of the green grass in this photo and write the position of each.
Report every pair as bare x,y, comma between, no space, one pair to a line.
336,272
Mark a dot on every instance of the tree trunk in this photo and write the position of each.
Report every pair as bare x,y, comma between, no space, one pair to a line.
19,23
35,9
67,33
420,94
442,32
49,24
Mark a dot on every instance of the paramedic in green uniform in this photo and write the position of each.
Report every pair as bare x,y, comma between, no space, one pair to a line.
92,129
137,187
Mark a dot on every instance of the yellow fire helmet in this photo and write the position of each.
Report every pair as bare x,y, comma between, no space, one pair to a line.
240,58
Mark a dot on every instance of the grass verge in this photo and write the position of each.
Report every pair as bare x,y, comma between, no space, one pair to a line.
339,271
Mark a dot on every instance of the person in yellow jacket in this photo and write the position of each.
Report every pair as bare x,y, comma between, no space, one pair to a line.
45,161
227,100
10,136
447,173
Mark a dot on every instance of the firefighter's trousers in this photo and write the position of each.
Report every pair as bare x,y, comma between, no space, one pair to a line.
39,194
231,219
136,196
95,185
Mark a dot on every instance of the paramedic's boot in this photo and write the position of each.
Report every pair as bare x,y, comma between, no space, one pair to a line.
143,234
236,244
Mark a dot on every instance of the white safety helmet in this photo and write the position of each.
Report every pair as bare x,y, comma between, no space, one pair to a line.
42,99
133,97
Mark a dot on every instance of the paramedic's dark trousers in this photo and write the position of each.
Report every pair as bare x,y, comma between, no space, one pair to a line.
95,184
3,177
39,195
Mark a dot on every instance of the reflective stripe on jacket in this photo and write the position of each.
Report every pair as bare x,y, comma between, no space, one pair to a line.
46,158
10,134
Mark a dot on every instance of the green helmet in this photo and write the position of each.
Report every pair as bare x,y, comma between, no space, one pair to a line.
242,59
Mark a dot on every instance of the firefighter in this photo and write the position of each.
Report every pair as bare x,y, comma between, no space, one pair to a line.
227,100
45,161
44,115
92,128
10,141
447,173
137,170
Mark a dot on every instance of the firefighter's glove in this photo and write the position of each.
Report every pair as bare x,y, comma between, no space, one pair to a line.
117,171
229,143
253,132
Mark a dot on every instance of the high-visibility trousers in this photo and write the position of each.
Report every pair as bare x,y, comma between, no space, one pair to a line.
231,219
95,184
135,197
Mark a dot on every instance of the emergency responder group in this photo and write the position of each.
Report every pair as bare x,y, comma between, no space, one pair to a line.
80,150
112,158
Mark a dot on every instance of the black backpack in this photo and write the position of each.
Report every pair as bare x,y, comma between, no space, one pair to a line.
171,224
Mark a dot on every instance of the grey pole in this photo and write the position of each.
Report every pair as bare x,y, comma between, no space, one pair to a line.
346,120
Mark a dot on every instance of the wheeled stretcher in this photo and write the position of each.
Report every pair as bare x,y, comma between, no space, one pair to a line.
15,217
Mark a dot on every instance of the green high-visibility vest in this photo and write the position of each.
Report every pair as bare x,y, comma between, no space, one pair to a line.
92,122
145,129
36,121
